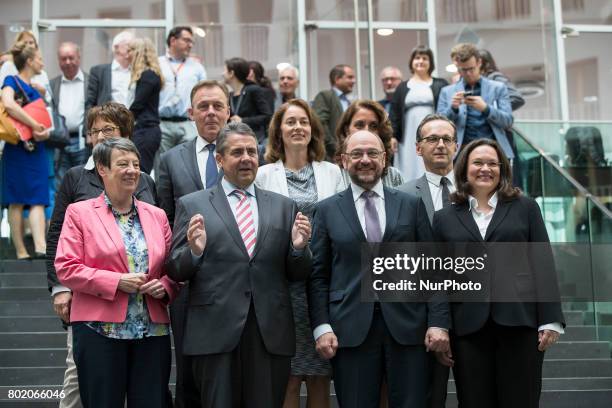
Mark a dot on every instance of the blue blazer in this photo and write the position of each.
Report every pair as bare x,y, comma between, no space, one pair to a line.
495,94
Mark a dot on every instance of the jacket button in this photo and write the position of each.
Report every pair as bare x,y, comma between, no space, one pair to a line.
247,294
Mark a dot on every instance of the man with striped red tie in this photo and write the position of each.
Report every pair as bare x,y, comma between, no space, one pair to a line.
239,246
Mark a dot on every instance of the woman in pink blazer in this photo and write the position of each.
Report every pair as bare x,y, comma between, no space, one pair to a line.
111,254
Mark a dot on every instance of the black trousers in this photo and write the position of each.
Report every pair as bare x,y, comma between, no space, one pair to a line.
110,370
247,377
358,371
498,366
147,140
438,383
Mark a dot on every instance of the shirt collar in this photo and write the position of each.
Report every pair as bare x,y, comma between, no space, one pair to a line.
90,164
79,77
474,203
229,188
358,190
116,67
434,178
338,92
476,85
172,59
201,144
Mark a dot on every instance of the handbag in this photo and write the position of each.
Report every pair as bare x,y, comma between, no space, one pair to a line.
8,133
38,111
59,137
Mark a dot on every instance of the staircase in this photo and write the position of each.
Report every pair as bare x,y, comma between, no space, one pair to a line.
577,370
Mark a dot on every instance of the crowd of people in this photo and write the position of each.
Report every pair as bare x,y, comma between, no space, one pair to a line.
230,215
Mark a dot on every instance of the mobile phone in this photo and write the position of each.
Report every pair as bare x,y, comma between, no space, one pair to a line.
468,93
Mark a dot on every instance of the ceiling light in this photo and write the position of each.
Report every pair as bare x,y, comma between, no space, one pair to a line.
384,32
282,65
199,31
452,68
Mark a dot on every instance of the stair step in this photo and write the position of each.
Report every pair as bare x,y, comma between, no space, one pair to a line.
562,399
33,339
586,333
29,323
25,294
20,280
579,350
575,317
46,357
27,308
577,368
15,266
567,384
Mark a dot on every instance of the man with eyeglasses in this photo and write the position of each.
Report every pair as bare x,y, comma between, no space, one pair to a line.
436,143
390,78
369,341
479,107
181,72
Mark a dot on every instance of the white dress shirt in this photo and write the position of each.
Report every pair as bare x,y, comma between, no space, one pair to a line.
482,220
435,188
202,153
120,82
344,100
72,101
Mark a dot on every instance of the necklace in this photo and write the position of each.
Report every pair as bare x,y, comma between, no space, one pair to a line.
123,214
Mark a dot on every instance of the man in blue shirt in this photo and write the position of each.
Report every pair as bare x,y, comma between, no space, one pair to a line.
480,108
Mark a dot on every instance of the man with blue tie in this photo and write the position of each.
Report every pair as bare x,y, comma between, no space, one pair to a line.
186,168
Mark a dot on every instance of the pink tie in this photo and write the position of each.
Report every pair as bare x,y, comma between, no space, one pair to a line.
246,224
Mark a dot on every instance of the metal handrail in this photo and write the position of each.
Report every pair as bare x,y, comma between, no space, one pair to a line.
596,202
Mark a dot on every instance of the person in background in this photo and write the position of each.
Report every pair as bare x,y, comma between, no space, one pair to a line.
180,73
413,100
295,152
110,120
329,104
365,114
111,254
489,70
288,81
257,75
390,78
68,93
25,165
146,82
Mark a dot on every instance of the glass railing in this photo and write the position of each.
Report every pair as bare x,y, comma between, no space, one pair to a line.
574,214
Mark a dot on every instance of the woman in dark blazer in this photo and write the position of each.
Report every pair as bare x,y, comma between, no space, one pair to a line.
498,348
412,101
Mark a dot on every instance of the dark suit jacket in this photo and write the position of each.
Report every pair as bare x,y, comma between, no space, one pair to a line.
225,282
335,283
99,89
396,114
518,220
77,185
420,188
255,109
178,176
329,109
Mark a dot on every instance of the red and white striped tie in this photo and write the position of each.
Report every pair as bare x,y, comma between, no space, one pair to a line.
246,224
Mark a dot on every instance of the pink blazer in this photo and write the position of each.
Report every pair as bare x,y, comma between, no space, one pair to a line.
91,258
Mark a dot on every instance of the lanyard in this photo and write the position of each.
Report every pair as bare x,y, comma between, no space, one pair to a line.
236,108
181,65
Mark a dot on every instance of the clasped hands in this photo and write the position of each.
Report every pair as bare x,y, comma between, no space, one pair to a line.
137,283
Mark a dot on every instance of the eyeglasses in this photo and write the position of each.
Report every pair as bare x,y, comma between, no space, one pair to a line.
480,164
434,140
466,70
106,131
358,154
186,40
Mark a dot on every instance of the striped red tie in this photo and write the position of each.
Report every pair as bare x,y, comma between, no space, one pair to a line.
246,224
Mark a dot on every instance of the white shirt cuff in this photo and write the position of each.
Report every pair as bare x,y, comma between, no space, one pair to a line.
59,289
552,326
321,330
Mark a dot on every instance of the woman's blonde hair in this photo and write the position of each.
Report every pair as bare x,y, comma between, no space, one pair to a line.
25,33
144,56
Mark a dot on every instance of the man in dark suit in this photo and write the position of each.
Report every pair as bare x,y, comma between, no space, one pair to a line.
370,341
186,168
239,247
109,82
68,96
331,103
437,145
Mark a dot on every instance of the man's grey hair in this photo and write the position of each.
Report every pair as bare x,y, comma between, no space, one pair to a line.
123,37
103,151
232,128
391,67
291,67
70,44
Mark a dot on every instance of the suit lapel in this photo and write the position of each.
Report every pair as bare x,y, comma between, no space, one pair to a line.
189,156
150,232
392,207
219,202
110,225
466,218
498,216
423,186
347,208
264,211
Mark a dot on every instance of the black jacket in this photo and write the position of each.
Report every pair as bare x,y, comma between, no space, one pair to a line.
80,184
146,100
396,114
254,108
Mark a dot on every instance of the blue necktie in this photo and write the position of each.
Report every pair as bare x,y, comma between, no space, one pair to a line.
211,166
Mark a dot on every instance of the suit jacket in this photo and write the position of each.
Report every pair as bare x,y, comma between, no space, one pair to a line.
255,109
335,283
100,87
329,109
178,176
398,103
495,94
91,258
420,188
225,282
518,220
328,178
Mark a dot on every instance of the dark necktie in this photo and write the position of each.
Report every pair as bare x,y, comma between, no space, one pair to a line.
445,192
372,222
211,166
